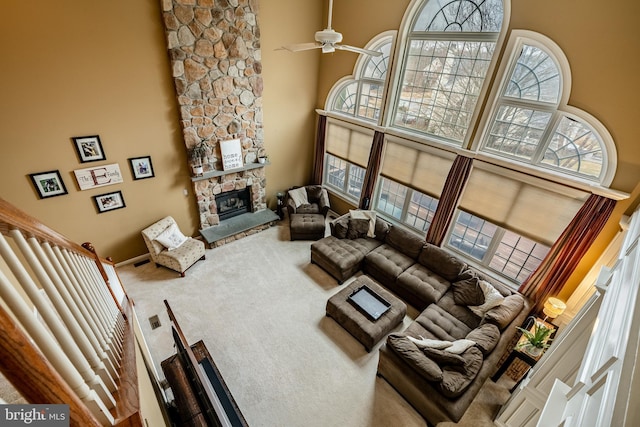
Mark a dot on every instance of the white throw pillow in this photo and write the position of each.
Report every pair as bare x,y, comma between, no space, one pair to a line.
492,298
429,343
370,215
171,238
460,346
299,196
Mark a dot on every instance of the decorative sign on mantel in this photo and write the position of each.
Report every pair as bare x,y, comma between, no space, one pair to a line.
98,176
231,154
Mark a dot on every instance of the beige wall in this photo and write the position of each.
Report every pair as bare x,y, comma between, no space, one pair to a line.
73,69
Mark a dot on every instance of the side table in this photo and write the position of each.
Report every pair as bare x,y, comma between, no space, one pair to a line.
518,353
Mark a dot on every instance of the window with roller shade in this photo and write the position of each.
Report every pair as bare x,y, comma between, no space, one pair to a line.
346,160
507,221
411,181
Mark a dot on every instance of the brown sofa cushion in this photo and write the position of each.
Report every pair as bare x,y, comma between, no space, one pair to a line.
456,379
404,241
441,262
503,314
424,285
468,292
340,226
314,192
425,366
357,228
443,357
485,336
385,263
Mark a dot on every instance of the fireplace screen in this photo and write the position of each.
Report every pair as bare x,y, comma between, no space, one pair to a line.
233,203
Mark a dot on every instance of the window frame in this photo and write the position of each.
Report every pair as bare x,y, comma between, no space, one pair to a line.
495,100
485,263
344,191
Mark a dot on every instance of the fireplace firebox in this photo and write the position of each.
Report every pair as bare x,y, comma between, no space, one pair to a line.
233,203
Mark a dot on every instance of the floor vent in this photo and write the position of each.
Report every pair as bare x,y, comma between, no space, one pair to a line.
155,322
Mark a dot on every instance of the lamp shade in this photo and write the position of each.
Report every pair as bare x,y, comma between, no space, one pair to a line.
554,307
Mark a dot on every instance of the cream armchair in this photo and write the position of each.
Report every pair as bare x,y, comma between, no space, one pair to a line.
170,248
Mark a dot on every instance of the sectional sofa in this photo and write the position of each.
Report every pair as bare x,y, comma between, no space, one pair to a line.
466,323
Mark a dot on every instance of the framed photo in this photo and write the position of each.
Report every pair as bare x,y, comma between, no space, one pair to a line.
141,167
98,176
109,201
89,148
48,184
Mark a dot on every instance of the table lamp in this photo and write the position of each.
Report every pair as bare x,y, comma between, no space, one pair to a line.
553,308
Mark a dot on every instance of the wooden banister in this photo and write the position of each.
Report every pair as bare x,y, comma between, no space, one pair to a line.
22,362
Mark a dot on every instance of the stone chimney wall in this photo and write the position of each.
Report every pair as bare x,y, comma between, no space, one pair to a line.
214,47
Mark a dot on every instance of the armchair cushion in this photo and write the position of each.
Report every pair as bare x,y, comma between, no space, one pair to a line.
171,238
316,201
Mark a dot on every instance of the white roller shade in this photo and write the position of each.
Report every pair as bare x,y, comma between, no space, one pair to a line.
349,143
425,171
524,204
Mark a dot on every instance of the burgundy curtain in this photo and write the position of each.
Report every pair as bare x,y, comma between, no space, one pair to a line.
373,168
318,158
567,251
453,186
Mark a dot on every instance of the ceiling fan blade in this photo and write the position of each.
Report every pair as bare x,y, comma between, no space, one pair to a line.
357,50
301,46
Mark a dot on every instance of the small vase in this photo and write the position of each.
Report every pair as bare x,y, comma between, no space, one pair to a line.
533,351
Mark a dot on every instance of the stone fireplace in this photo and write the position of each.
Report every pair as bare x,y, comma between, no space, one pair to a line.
214,48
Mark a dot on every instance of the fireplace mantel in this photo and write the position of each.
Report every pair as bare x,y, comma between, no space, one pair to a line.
216,173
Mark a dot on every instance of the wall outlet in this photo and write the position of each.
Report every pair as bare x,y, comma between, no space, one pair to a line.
185,192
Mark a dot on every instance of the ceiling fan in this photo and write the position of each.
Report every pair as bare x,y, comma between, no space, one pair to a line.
328,40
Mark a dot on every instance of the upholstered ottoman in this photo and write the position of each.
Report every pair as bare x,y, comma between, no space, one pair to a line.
368,332
307,226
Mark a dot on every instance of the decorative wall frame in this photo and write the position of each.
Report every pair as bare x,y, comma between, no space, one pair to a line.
109,201
98,176
141,167
48,184
89,148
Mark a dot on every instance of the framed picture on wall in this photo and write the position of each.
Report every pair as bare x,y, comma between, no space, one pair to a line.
141,167
89,148
109,201
48,184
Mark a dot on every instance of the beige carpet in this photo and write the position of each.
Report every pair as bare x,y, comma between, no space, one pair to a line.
259,306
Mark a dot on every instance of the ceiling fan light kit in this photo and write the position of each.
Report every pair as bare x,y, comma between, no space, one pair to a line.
328,40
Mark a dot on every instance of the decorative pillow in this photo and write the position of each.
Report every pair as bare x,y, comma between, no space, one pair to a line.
468,292
428,368
299,196
486,336
357,228
340,227
381,229
314,192
429,343
368,215
460,346
171,238
492,298
504,313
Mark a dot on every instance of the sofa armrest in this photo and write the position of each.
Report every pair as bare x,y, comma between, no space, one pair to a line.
291,206
323,203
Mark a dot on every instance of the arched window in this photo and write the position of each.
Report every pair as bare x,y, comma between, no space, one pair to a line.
362,94
531,123
447,56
